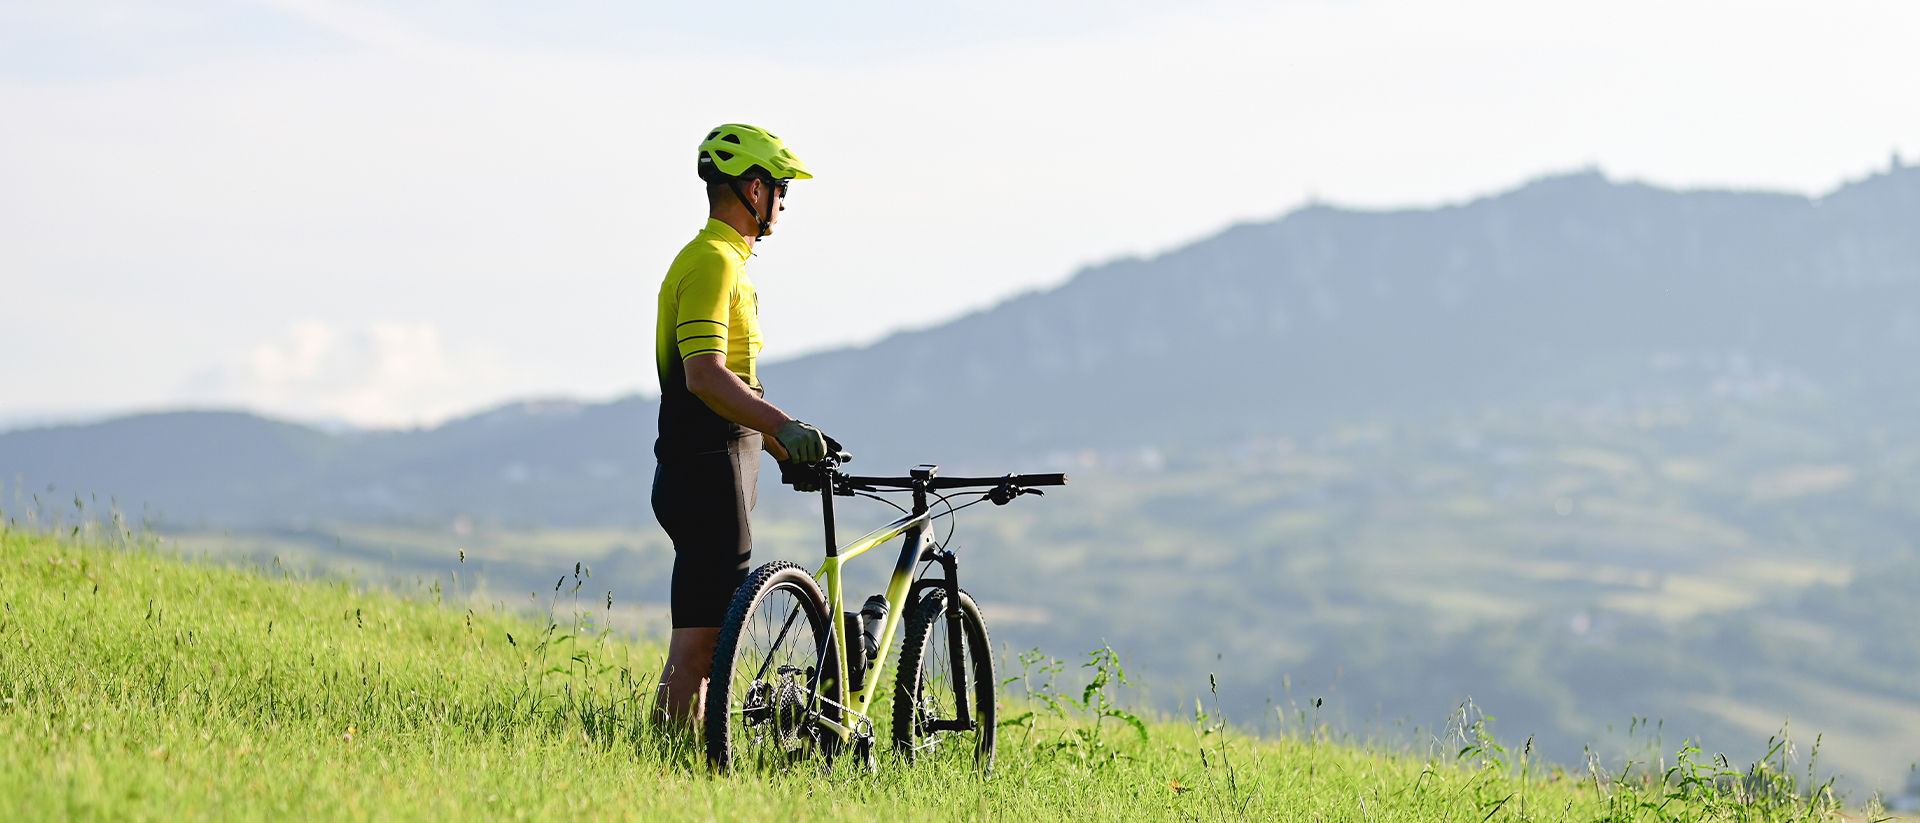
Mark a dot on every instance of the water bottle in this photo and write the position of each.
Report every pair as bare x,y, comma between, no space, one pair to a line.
856,653
872,616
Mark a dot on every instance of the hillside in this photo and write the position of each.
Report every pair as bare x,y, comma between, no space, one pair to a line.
142,687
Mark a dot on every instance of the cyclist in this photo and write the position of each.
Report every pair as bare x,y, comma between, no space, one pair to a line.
713,420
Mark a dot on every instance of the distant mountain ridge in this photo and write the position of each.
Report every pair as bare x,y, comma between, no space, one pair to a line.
526,463
1567,286
1571,286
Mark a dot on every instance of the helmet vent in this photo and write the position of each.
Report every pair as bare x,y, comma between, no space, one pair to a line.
732,138
724,155
713,135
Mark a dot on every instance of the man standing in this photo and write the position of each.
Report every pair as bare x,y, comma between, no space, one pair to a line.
712,417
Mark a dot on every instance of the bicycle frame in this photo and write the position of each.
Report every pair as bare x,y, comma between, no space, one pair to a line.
913,527
914,530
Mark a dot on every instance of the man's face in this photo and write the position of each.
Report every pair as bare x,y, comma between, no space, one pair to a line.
771,199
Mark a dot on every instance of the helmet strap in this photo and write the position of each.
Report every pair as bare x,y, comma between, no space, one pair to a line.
764,222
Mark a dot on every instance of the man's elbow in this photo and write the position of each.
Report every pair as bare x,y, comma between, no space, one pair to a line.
705,382
701,387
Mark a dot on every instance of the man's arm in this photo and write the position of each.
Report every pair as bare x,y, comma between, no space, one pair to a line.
723,391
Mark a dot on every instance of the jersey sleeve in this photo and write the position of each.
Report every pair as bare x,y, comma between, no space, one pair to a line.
706,296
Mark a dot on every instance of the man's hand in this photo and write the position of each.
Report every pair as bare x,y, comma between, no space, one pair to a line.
804,443
801,478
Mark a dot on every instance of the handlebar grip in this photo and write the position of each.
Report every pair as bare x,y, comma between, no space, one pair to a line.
1021,480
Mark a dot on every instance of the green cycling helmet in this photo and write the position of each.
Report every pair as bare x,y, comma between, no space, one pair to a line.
733,150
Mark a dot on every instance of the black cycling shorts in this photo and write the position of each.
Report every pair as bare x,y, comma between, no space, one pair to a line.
702,502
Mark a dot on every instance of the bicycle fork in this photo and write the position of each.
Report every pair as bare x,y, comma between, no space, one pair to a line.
956,623
956,649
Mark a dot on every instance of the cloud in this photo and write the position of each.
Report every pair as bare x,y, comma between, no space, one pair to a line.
377,375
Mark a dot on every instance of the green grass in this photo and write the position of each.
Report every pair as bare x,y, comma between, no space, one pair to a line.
140,686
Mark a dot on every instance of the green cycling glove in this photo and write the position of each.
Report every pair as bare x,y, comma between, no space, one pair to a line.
804,443
801,478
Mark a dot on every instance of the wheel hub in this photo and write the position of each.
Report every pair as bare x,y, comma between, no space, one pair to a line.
778,707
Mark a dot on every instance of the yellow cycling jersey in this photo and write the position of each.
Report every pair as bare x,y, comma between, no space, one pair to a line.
707,305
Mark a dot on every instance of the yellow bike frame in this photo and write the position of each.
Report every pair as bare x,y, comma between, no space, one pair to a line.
915,533
913,527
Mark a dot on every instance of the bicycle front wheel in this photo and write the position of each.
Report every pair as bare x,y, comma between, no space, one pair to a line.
927,695
774,678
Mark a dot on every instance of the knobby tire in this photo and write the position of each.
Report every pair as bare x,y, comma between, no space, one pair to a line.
760,700
924,689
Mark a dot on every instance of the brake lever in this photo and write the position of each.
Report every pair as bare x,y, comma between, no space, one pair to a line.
809,477
845,488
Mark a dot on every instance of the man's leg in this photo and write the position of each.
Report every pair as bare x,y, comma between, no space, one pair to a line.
682,695
703,505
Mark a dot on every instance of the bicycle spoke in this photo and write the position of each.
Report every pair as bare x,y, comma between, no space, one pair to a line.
791,614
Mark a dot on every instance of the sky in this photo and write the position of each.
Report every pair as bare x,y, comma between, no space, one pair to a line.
389,214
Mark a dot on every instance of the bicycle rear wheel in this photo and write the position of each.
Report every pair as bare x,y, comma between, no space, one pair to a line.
773,676
925,705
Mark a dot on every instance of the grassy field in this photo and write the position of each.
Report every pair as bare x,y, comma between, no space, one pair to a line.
1718,564
135,685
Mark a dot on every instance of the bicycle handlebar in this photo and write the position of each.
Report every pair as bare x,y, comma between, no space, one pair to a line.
1002,489
1022,480
1025,480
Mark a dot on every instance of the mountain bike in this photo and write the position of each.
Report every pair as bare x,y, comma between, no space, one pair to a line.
794,675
